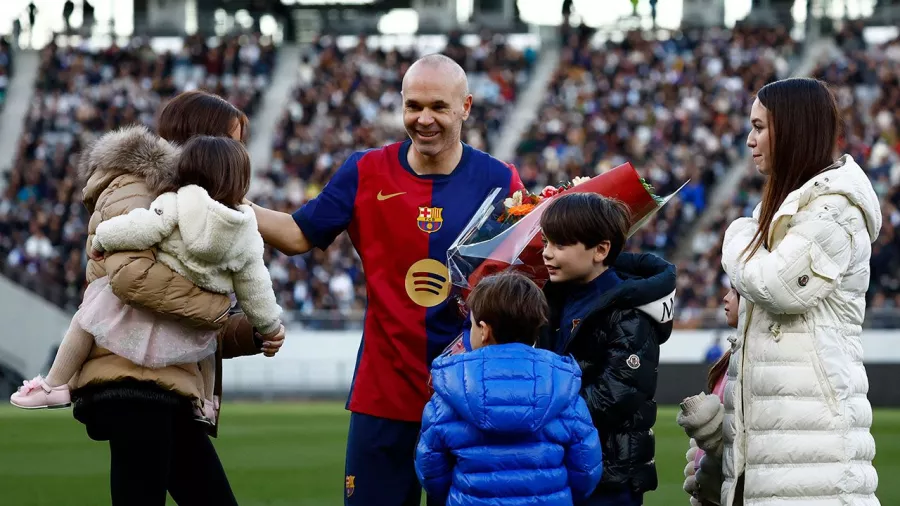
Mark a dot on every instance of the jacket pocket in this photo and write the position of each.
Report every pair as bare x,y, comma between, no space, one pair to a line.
824,383
822,265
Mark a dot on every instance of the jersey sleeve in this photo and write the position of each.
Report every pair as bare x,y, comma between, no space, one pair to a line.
326,216
515,182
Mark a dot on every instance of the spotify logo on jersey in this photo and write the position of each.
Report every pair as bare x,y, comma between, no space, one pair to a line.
428,282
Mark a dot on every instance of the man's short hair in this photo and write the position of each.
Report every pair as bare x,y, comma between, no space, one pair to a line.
588,219
512,305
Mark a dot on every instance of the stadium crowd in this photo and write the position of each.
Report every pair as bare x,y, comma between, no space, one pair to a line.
80,94
5,69
865,80
675,108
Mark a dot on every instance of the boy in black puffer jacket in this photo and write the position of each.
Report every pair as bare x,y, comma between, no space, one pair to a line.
611,311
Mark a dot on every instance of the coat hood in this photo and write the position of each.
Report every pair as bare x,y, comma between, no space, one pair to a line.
648,285
846,178
208,228
129,150
507,388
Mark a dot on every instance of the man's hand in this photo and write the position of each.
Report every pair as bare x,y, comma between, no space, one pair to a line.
271,343
95,255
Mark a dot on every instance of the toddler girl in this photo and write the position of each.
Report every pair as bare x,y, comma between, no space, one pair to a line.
201,231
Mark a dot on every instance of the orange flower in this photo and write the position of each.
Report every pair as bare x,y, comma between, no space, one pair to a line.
520,210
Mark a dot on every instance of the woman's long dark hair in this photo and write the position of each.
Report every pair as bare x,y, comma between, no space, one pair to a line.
804,122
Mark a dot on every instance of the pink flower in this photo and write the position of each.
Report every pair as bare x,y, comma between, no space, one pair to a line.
549,191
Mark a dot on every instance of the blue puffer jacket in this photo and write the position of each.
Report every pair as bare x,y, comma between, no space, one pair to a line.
506,426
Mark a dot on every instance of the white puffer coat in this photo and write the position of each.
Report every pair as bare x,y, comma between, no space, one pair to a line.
797,417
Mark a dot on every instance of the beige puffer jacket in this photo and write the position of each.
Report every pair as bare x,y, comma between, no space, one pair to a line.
125,170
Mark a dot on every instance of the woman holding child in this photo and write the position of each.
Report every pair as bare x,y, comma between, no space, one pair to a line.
797,419
152,416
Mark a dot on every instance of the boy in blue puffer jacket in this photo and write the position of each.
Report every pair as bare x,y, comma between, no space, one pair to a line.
506,425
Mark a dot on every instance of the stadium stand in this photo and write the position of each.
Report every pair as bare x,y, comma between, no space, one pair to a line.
5,68
867,81
868,91
676,109
80,94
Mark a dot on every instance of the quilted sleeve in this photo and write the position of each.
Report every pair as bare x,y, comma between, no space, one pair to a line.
434,461
139,229
140,280
253,289
584,457
631,356
238,338
802,270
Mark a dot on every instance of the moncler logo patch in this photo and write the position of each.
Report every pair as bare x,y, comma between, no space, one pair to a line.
633,362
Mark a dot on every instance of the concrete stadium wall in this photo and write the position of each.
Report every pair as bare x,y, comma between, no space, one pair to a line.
31,329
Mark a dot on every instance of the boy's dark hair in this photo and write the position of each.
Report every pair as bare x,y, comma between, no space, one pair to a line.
220,165
512,305
199,113
589,219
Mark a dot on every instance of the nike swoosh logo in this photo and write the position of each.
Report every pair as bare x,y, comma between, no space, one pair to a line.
392,195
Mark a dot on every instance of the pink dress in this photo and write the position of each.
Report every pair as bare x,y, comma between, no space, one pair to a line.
137,335
719,391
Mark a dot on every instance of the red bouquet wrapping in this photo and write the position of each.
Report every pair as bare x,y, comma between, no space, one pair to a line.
506,234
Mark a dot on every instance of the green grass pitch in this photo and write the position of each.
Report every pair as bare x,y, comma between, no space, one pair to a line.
287,454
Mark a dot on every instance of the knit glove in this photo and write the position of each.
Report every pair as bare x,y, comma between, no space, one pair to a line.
709,479
690,480
703,485
701,416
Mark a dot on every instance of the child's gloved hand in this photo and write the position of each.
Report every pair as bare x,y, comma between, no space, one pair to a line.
709,480
701,416
703,484
96,251
690,480
272,342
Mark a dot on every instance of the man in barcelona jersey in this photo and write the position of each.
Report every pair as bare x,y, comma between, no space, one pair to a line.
403,205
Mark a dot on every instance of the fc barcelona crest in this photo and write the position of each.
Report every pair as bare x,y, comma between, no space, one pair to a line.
350,484
430,219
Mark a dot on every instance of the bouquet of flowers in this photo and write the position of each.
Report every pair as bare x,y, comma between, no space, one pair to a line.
506,233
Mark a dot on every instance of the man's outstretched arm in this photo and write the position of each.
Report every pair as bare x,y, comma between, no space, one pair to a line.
280,231
319,221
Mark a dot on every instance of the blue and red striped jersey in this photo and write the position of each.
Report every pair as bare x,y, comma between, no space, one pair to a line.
401,224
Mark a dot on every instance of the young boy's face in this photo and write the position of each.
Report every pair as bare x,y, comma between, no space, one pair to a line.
574,262
731,308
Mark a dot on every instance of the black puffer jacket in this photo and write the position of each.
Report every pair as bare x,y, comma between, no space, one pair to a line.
617,346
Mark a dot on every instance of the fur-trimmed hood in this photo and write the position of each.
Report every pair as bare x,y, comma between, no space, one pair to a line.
129,150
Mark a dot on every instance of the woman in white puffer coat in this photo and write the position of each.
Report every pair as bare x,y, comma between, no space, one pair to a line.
797,418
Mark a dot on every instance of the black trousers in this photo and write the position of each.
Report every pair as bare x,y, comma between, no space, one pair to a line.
158,448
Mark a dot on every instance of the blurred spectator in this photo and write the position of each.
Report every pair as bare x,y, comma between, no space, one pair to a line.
5,69
81,94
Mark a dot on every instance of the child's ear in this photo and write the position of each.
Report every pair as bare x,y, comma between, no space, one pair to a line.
601,252
487,333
